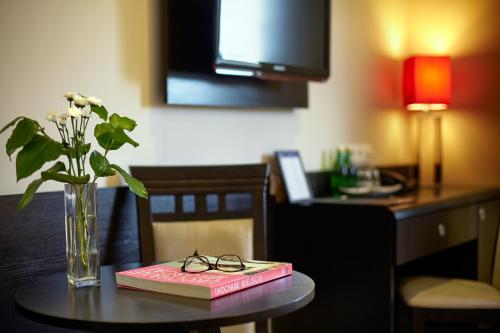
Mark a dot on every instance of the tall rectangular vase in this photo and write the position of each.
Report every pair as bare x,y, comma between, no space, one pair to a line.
82,235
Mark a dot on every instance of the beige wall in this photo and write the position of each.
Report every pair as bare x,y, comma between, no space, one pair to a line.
109,48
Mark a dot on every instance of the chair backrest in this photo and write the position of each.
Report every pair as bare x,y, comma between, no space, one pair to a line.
216,209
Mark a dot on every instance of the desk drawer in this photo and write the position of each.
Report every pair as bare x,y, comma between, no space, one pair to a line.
424,235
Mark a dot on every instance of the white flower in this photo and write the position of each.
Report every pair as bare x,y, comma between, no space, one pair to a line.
51,116
94,101
80,101
61,119
86,112
74,112
69,95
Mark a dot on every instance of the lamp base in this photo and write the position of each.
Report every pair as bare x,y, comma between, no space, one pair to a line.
438,174
429,170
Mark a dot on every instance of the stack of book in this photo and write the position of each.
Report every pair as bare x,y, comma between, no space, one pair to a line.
168,278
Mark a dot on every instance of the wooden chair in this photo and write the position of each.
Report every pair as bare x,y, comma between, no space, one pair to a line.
215,209
442,300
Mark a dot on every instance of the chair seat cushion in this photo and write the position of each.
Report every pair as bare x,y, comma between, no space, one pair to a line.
433,292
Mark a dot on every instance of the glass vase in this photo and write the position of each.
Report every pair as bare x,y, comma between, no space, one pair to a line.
82,235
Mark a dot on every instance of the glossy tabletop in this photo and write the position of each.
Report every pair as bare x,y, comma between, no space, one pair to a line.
108,308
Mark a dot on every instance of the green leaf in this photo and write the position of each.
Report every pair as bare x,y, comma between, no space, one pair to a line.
100,165
111,138
34,185
35,154
102,133
135,185
12,123
65,178
100,129
72,151
29,193
104,136
100,111
119,138
122,122
59,166
21,135
84,149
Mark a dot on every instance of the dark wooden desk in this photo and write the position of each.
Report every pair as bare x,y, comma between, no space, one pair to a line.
109,309
355,250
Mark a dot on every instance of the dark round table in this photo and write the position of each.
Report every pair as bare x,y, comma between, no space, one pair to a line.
110,309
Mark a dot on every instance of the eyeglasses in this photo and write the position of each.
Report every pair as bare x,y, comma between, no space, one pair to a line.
224,263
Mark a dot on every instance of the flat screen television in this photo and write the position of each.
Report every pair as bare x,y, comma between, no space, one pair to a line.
273,39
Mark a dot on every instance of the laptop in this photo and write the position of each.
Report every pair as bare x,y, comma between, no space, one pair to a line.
298,188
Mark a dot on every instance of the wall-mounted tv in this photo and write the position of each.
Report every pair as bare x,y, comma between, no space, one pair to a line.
273,39
267,67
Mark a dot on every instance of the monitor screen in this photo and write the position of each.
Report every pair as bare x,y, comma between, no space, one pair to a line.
279,37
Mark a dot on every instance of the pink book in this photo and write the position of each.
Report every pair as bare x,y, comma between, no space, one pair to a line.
168,278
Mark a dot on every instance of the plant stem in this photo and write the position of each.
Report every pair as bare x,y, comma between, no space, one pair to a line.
74,123
82,225
65,143
94,180
61,133
86,122
71,167
42,130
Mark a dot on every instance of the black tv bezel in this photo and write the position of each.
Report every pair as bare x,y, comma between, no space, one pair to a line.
267,71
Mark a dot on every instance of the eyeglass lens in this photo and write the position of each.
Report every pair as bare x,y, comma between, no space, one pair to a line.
196,264
229,263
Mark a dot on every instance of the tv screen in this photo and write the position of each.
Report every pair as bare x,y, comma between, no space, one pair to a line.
273,39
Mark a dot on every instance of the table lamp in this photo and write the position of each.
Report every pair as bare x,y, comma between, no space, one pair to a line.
427,87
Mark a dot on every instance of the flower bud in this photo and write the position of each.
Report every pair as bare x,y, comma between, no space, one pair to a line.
94,101
80,101
52,116
74,112
61,119
69,96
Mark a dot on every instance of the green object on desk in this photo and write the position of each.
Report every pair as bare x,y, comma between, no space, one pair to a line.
336,177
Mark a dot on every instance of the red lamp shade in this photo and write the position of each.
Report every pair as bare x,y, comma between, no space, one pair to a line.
427,83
